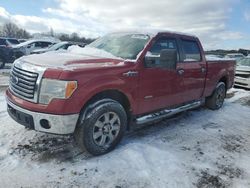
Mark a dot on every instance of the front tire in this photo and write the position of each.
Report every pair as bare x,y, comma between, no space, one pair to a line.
216,100
102,128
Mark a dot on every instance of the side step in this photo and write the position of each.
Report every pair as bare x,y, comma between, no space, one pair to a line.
167,113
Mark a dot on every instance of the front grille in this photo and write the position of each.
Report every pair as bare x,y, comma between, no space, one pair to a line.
23,83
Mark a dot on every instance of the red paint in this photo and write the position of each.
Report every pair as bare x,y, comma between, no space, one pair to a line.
166,87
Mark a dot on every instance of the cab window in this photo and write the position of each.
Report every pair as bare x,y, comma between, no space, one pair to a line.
191,51
161,44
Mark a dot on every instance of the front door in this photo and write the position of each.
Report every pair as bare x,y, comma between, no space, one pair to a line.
159,87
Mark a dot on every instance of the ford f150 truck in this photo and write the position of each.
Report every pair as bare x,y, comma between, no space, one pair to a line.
118,81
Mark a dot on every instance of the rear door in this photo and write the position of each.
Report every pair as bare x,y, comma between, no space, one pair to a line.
192,68
159,87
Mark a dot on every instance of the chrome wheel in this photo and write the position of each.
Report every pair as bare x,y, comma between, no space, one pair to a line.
220,97
106,129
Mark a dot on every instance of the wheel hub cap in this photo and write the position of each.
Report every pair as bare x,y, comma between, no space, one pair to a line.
106,129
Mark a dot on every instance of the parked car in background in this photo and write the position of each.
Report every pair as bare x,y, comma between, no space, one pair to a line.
22,40
122,79
242,76
6,52
27,47
6,56
235,56
8,42
213,56
58,46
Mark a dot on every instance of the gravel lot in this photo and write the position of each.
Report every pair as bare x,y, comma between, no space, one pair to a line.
199,148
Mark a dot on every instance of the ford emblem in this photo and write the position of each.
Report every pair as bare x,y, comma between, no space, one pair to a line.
14,79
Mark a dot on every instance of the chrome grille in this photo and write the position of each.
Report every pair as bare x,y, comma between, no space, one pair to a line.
243,74
23,83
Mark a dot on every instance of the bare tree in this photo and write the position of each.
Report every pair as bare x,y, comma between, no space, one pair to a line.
10,29
13,31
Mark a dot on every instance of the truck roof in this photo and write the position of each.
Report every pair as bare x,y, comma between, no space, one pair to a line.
153,32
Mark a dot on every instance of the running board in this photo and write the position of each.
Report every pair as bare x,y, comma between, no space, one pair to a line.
167,113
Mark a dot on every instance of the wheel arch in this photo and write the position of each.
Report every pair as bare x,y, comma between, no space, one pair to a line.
112,94
225,80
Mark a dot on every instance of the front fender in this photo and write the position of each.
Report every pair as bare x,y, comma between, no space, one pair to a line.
105,83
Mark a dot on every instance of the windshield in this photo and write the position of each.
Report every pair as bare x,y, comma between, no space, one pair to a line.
245,62
126,46
57,46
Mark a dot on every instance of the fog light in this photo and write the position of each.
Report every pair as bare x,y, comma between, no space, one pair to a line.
45,124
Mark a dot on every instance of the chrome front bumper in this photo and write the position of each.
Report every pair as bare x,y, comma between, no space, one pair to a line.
242,82
49,123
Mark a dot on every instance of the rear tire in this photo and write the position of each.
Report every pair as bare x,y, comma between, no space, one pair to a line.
2,62
216,100
102,128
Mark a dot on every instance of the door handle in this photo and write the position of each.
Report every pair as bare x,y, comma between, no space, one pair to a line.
203,69
130,73
180,71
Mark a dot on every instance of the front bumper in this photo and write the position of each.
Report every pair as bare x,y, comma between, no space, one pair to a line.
49,123
242,82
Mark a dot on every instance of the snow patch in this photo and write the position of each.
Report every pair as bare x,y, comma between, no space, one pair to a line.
201,148
89,51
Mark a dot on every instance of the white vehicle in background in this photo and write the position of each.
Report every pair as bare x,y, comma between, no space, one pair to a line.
213,57
235,56
27,47
242,75
58,46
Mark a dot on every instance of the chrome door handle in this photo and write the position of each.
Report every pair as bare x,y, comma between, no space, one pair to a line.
130,73
180,71
203,69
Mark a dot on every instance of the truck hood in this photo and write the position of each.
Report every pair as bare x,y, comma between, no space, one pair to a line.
73,59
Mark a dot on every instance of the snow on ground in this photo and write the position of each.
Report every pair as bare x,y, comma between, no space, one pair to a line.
199,148
4,75
6,69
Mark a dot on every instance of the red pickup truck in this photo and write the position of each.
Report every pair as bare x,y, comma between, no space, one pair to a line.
120,80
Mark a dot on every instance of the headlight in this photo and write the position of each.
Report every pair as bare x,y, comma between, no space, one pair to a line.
56,89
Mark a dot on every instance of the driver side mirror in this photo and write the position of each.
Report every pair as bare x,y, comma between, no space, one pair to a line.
167,59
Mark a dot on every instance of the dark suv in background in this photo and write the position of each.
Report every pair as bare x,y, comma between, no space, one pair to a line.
6,52
8,42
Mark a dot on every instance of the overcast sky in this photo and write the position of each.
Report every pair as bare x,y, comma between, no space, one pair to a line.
219,23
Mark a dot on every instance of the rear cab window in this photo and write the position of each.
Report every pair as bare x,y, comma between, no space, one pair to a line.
191,51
